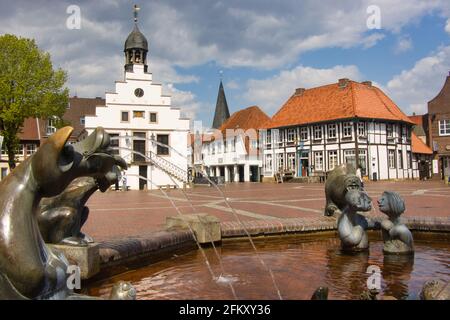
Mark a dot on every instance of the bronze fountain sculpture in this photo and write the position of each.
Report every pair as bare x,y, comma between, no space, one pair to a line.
396,236
62,217
344,198
29,269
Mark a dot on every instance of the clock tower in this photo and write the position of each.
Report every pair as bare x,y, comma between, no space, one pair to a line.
151,133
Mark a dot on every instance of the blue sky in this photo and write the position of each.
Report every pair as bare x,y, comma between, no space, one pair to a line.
266,49
379,63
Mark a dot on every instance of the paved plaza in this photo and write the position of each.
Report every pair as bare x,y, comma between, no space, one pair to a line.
117,214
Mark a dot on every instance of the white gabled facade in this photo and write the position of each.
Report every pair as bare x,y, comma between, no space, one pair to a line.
232,152
136,114
228,158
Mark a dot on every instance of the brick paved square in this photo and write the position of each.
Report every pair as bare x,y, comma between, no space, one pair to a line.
117,214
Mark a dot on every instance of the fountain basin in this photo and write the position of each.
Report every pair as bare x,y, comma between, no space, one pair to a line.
300,264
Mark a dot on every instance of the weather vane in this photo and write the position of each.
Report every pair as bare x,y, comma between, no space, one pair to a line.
136,9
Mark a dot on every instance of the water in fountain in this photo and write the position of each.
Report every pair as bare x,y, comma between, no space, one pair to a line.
190,229
234,213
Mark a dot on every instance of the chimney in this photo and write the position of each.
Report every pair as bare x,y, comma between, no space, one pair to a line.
414,113
367,83
299,91
343,82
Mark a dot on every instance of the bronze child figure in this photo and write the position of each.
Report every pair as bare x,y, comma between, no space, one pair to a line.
396,236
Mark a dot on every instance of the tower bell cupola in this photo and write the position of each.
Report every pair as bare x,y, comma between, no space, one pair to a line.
136,46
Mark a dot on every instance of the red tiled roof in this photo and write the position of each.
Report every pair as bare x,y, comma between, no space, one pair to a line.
332,102
418,146
417,119
31,129
249,118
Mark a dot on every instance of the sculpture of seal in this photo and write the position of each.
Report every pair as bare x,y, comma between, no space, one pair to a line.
28,268
345,197
397,237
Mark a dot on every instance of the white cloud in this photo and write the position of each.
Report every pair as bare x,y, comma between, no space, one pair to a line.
372,40
186,100
257,33
232,33
164,72
271,93
232,85
413,88
404,44
447,26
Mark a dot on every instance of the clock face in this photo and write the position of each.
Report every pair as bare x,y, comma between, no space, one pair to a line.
138,92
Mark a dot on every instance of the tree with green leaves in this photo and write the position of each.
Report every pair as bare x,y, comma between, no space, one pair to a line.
29,87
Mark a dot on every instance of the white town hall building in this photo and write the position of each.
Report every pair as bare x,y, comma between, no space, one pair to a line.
140,118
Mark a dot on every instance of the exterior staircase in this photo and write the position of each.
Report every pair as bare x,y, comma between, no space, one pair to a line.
168,167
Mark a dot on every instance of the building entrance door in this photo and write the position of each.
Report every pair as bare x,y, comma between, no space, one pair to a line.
139,146
241,173
142,173
424,170
445,167
303,164
254,173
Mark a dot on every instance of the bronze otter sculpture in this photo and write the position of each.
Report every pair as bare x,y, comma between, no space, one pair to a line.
28,268
344,198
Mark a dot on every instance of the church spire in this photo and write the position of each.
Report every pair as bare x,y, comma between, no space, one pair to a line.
222,113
